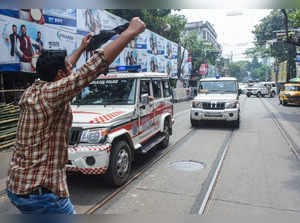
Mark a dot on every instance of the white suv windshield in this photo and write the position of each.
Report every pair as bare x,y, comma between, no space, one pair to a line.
218,86
107,92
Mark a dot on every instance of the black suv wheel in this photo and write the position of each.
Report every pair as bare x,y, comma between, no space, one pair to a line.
119,164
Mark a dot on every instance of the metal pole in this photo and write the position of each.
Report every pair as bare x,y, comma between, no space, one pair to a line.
2,87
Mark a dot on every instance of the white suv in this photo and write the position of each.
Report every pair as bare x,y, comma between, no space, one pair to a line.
218,99
114,118
258,90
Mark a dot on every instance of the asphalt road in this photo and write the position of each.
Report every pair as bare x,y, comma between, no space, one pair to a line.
259,173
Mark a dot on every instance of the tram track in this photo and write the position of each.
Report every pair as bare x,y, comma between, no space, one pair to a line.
291,143
215,172
211,181
110,196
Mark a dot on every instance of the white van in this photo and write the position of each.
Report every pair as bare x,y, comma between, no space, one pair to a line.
217,99
114,118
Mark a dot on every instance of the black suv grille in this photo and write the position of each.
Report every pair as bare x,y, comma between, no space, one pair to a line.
214,105
74,136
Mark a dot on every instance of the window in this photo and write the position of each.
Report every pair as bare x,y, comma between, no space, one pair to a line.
107,92
166,88
156,88
144,88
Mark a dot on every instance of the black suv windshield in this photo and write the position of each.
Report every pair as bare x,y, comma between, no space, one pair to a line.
107,92
218,87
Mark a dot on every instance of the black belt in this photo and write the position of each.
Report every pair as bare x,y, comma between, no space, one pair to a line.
37,191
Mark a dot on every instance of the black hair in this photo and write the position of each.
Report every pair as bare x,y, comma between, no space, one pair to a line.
38,32
23,26
14,25
49,62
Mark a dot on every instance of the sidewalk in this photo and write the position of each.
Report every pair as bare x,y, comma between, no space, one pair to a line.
180,93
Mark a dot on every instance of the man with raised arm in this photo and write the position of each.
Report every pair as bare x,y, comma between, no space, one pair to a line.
37,176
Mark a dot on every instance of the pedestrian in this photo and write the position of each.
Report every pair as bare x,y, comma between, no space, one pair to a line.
37,176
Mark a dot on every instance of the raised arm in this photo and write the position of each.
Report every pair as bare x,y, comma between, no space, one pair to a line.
65,89
114,48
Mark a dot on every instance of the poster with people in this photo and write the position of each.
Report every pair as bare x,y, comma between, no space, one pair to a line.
130,57
21,42
153,63
153,43
168,49
161,45
59,18
141,40
174,69
33,26
142,59
110,21
89,21
161,64
174,50
169,68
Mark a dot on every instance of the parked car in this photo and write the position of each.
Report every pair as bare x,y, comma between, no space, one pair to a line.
272,89
290,93
114,118
217,99
258,90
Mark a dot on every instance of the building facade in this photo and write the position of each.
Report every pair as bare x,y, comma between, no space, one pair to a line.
206,32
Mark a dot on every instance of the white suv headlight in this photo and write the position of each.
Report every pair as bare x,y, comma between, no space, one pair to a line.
196,104
93,136
232,104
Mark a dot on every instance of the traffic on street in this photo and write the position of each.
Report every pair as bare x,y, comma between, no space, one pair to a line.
108,116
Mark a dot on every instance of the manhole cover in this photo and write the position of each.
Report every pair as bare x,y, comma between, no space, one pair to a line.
187,165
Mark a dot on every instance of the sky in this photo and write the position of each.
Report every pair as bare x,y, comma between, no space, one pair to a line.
233,27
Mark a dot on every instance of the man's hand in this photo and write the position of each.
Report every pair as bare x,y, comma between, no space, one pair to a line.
85,41
136,26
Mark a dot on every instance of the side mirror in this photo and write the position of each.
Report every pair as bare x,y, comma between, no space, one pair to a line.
240,91
144,99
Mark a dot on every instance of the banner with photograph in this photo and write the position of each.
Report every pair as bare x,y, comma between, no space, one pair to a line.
161,45
169,67
22,41
141,41
130,56
169,49
174,50
65,28
161,64
59,18
142,59
62,18
89,20
152,63
174,69
152,39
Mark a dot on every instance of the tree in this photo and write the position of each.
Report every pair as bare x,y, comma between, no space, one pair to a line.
281,50
156,21
200,51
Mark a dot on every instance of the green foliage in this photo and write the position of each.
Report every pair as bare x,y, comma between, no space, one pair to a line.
266,31
199,50
255,69
156,20
258,51
294,18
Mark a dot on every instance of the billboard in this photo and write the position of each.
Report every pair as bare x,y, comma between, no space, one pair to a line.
65,28
22,41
